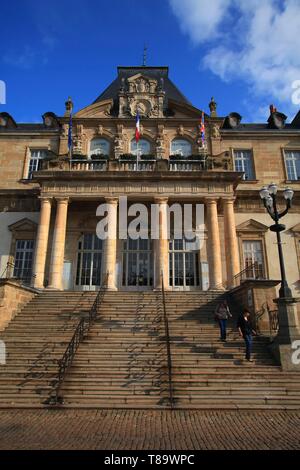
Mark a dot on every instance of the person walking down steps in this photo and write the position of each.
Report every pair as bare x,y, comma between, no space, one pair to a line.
222,313
246,331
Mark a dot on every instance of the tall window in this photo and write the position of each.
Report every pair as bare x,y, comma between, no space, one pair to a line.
143,147
35,163
292,161
23,260
89,262
183,264
243,161
181,147
99,146
254,259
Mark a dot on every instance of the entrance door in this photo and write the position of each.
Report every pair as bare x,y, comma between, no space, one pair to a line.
183,265
89,262
137,264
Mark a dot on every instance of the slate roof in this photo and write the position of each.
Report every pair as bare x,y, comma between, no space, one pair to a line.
172,92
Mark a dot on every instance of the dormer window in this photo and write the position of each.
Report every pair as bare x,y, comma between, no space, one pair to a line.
181,147
36,158
99,147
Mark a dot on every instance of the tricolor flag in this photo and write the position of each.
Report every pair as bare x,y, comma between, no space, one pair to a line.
202,129
137,127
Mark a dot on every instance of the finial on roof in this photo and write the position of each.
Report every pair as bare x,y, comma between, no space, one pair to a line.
145,56
69,106
213,107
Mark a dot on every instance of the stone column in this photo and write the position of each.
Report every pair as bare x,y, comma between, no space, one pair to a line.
162,245
58,244
38,269
214,246
110,244
231,243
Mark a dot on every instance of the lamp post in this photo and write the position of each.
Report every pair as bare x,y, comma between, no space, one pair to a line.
268,195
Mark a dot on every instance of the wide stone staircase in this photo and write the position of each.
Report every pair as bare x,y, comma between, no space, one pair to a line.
208,373
122,362
35,340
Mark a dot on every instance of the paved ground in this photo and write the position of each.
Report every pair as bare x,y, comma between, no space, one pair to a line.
140,429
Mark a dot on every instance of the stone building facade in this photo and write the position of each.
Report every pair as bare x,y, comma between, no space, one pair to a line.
49,199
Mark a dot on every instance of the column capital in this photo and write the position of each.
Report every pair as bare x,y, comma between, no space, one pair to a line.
112,200
62,200
211,200
45,199
161,199
228,200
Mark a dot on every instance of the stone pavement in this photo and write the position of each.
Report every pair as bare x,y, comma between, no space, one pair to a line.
146,429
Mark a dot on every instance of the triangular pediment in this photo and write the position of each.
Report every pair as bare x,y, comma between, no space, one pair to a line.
100,109
252,225
137,76
23,225
184,110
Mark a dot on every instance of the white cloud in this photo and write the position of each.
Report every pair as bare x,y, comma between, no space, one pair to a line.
199,18
260,42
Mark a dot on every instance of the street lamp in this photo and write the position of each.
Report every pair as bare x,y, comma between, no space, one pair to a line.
268,195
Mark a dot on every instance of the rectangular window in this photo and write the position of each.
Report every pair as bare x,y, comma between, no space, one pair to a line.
35,162
243,161
23,260
292,162
253,259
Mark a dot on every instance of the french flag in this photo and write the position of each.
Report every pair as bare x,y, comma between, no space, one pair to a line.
137,128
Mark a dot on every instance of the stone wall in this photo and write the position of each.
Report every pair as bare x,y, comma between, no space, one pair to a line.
13,297
256,296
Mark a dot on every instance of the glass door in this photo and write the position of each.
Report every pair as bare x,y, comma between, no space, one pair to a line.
89,262
183,265
137,264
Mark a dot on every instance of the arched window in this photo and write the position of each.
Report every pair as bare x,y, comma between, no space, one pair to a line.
99,146
181,147
143,147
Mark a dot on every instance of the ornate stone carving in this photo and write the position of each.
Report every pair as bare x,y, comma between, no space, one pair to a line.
160,142
180,130
142,95
215,132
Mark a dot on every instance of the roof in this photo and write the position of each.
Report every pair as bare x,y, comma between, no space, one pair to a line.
171,90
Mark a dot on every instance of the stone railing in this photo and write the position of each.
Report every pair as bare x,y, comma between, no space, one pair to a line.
180,164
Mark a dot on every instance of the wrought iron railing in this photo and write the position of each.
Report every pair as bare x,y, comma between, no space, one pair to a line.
252,271
80,332
168,343
273,322
11,271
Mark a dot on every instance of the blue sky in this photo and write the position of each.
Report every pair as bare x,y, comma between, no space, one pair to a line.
245,54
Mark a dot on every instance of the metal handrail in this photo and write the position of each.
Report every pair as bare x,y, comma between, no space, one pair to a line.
168,345
9,266
80,332
245,270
